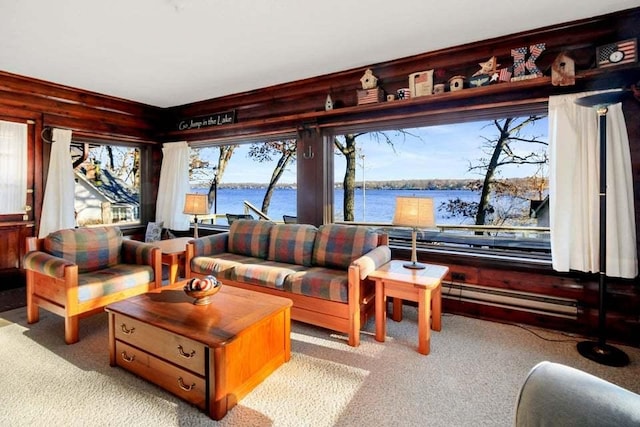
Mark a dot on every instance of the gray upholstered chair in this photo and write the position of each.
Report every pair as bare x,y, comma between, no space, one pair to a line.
558,395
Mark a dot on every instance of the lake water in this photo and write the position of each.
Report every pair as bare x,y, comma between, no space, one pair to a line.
378,206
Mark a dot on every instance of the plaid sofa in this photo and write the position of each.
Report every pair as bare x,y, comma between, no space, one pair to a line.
322,269
75,271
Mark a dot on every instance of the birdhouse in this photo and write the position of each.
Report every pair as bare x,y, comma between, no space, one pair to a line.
369,81
328,103
456,83
563,71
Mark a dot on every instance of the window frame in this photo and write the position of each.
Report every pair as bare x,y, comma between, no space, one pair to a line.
452,116
144,158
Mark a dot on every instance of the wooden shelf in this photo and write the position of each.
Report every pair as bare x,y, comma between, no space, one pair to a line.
477,101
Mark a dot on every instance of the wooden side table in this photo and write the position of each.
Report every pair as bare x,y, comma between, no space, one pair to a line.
421,286
173,250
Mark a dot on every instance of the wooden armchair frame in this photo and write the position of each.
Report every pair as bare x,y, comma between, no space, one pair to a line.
60,295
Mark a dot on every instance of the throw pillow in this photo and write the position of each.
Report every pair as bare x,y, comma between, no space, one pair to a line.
154,231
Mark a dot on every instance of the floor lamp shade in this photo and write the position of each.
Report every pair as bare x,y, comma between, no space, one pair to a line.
599,351
196,204
414,212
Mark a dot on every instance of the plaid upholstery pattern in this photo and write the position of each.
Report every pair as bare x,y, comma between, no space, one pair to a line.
319,282
90,248
250,237
135,252
210,245
110,280
221,265
338,245
372,260
292,243
264,273
44,263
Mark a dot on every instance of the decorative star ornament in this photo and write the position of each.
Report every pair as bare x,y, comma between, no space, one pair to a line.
488,67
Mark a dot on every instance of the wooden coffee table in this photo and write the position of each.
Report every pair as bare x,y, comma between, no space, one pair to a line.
209,355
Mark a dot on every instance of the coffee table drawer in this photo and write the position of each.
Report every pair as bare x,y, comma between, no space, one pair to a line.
180,382
176,349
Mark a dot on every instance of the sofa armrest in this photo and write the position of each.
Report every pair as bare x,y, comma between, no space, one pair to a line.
210,245
136,252
555,394
46,264
372,260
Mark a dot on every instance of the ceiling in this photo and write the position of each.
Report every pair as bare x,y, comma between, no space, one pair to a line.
172,52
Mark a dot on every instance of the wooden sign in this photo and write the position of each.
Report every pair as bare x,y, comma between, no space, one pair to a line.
216,119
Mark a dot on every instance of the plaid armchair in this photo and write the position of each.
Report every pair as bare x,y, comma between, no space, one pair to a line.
78,271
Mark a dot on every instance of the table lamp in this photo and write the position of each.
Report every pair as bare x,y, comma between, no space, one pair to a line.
196,204
414,212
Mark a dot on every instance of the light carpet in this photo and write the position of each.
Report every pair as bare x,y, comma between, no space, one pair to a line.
471,377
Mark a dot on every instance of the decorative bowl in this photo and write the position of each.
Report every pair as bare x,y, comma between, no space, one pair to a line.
202,289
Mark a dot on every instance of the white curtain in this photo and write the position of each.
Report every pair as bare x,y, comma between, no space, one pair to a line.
59,195
574,189
13,167
174,184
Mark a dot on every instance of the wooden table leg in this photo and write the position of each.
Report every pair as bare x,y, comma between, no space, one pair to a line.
436,308
396,314
381,311
172,261
424,314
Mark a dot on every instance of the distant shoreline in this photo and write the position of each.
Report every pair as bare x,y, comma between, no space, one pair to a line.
405,184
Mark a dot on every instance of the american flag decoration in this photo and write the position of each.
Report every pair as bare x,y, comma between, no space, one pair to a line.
622,52
522,64
518,55
535,50
369,96
505,74
404,93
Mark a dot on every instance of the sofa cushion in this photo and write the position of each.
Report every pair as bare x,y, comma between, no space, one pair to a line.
337,245
270,274
108,281
90,248
325,283
219,265
292,243
250,237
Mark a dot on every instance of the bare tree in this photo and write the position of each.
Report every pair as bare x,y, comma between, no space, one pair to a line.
349,151
264,152
504,148
200,169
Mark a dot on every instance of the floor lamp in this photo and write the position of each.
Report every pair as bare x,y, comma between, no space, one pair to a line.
599,351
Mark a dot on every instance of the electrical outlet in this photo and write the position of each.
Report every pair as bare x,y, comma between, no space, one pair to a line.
458,277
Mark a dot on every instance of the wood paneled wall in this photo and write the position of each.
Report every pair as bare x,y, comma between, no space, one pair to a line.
298,107
90,116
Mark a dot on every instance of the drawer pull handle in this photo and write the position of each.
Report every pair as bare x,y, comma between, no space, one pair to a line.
125,330
127,358
186,355
184,386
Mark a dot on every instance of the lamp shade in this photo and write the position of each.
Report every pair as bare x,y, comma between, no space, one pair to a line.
416,212
196,204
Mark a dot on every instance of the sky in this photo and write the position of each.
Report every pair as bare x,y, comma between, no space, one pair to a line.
435,152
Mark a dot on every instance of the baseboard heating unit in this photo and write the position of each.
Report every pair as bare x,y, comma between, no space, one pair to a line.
514,300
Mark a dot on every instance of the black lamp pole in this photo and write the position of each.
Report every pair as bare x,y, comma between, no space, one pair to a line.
599,351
